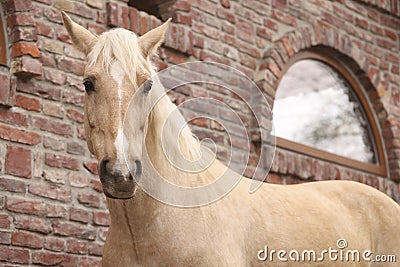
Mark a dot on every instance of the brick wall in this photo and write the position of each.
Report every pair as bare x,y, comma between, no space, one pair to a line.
52,211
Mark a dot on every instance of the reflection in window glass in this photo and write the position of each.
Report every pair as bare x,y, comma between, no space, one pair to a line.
315,106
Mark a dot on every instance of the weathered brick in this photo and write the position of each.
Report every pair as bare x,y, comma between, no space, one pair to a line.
89,199
26,67
50,191
79,215
56,211
112,14
77,246
4,221
51,126
20,49
95,249
12,185
5,238
25,239
65,228
18,161
55,176
20,136
101,218
15,255
79,180
60,161
87,261
52,143
28,103
54,243
32,224
27,206
91,166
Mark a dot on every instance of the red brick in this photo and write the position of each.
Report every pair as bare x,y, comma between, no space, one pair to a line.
96,185
133,17
101,218
12,185
17,5
65,228
71,65
95,3
27,206
79,180
74,8
19,136
53,109
5,238
51,191
18,161
26,34
26,67
54,243
25,239
95,249
55,76
74,98
47,258
144,23
283,17
4,221
79,215
89,199
112,14
38,89
75,115
77,246
27,103
56,211
60,161
87,261
44,29
20,49
52,143
225,3
91,166
15,255
32,224
75,148
11,116
52,126
245,31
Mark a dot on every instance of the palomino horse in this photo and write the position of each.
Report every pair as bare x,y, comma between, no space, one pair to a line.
309,224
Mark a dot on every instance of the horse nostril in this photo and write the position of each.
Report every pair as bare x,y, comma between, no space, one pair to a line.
103,166
138,168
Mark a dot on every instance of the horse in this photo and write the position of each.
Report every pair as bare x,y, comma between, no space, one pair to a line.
314,224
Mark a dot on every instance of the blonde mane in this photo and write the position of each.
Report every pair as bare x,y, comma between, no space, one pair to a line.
121,45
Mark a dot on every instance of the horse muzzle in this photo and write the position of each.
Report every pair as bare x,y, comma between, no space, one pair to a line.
117,184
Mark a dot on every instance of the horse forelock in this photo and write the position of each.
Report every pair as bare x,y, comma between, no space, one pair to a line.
120,45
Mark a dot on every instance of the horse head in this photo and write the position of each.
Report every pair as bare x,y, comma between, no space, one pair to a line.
118,72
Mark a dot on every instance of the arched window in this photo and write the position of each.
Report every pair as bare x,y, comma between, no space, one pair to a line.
3,47
320,110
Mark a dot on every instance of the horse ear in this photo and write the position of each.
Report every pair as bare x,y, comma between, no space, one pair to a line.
151,40
82,39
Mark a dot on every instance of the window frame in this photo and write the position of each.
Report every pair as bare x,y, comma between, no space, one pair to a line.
378,168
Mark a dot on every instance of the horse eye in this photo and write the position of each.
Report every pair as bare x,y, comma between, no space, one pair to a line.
89,86
147,86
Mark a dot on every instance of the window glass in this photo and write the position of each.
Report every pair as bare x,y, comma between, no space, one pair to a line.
315,106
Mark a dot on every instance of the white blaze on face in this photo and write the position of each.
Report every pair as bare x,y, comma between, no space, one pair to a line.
120,143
